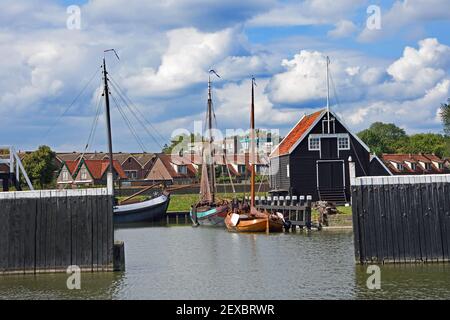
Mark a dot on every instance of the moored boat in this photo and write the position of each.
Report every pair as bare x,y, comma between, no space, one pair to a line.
146,211
152,210
209,211
209,215
246,217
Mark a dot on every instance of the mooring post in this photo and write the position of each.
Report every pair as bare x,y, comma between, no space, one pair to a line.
119,256
308,212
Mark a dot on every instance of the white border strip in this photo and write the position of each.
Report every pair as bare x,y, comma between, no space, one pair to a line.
53,193
407,179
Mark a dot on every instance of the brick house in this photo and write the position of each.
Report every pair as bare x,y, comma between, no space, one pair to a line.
88,172
415,164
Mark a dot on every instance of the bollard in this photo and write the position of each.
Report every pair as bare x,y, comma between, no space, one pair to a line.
308,212
119,256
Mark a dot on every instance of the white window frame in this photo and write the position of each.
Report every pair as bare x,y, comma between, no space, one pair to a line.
310,138
347,137
83,173
400,167
65,175
129,173
332,125
288,171
183,171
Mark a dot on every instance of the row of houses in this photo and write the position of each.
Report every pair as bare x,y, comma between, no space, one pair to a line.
139,168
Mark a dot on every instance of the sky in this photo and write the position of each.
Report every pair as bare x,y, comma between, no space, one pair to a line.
390,62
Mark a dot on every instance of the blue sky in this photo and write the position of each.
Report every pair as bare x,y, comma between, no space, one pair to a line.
398,73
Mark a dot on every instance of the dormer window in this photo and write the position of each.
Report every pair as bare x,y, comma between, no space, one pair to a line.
182,169
428,166
400,167
65,175
413,166
441,166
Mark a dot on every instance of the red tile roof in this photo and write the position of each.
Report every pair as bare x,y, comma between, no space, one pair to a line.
72,165
98,168
413,158
296,133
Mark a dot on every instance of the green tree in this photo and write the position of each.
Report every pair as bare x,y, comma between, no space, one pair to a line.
384,137
426,143
40,166
445,116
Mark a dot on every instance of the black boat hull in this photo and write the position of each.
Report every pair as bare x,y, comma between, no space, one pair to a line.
153,210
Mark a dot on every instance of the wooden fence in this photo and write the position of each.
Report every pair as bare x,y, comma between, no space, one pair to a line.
47,231
401,219
296,210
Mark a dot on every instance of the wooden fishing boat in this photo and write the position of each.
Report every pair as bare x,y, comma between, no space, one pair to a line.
152,210
246,217
145,211
208,215
209,211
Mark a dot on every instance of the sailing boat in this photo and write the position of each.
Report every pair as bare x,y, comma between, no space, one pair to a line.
209,211
146,211
245,217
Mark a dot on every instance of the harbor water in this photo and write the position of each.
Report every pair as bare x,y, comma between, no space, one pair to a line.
181,262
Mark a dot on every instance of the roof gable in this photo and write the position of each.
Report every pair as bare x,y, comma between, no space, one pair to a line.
297,133
303,128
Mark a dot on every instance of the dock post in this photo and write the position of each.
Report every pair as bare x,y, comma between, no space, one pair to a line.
119,256
308,212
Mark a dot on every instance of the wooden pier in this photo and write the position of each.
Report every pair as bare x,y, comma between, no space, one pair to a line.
296,210
48,231
401,219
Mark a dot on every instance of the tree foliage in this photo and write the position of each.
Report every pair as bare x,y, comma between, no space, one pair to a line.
445,116
40,166
388,138
384,137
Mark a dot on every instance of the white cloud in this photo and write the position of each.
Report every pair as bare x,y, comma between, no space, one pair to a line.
343,28
189,56
306,12
408,91
407,15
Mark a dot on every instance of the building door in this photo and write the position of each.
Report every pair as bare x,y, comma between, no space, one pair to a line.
329,148
330,175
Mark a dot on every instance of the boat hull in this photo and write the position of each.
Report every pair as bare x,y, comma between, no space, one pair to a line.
250,225
209,216
153,210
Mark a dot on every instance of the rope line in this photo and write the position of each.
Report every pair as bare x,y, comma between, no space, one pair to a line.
71,104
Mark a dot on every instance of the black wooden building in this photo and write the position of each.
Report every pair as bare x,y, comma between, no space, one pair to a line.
313,159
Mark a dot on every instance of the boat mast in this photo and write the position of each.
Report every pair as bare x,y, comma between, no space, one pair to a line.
212,172
328,94
252,146
108,120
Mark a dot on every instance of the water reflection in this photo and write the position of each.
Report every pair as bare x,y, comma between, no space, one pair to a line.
420,281
209,263
53,286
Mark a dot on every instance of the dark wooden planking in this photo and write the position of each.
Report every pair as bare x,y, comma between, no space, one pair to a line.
29,222
104,225
110,232
94,231
438,249
4,233
378,209
356,224
388,213
446,219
